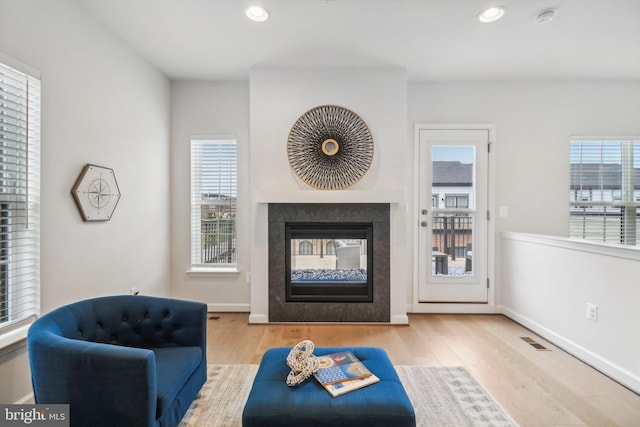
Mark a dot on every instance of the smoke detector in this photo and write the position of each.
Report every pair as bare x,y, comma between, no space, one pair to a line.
546,16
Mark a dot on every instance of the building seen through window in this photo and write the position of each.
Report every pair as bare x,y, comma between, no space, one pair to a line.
604,191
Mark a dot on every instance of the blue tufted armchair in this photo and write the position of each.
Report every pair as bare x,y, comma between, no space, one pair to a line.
121,360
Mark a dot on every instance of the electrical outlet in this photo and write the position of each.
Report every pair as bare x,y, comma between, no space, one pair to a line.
592,312
134,291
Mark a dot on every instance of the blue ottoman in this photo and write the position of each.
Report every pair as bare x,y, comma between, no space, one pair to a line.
272,403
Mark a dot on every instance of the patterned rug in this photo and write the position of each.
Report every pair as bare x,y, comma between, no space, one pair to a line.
450,396
441,397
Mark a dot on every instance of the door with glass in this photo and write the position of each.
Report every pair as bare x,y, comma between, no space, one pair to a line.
453,218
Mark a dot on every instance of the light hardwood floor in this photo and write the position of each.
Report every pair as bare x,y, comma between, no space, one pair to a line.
537,388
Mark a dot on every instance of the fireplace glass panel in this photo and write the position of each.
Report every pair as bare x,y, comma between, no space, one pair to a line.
328,262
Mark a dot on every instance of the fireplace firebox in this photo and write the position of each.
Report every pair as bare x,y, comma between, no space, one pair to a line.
328,262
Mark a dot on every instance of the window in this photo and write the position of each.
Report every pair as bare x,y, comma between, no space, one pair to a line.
19,200
604,190
434,200
213,202
330,247
305,248
456,201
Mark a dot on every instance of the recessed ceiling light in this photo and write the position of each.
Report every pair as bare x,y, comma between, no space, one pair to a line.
492,14
545,16
257,13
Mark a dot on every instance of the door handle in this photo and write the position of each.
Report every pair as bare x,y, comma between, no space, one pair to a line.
423,223
424,212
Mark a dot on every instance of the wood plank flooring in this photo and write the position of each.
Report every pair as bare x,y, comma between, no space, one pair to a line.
537,388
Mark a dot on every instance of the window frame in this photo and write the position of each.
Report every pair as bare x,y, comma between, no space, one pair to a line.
20,216
457,197
195,234
585,197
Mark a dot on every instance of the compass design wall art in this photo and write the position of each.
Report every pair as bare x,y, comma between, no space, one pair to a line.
330,148
96,193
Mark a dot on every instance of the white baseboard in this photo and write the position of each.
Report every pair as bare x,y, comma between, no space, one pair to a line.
229,308
400,319
258,318
618,373
442,308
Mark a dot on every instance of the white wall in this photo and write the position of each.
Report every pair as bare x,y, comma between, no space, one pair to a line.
547,284
279,96
210,109
275,99
534,121
100,104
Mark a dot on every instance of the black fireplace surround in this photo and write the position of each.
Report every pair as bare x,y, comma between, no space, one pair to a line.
368,303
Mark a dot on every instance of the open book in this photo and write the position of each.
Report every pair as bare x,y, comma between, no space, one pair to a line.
343,372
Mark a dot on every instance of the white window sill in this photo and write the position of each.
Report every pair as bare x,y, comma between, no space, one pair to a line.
13,336
213,272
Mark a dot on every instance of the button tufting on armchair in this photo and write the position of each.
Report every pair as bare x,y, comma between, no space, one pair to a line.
120,360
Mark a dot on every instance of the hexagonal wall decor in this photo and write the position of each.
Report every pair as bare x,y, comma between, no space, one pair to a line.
96,193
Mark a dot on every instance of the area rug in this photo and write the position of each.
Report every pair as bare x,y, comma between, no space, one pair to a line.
441,396
450,396
222,398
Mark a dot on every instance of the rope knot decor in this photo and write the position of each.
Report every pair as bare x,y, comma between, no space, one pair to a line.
302,363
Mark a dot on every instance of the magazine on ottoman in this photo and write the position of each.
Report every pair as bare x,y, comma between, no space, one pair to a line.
343,372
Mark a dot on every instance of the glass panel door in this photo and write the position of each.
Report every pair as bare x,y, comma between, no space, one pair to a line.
453,219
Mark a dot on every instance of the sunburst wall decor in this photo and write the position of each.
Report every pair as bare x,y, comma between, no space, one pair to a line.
330,148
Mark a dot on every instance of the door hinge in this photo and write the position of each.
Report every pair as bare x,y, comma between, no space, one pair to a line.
489,147
488,215
487,283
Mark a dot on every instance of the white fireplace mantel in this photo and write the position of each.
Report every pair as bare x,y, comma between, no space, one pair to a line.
331,196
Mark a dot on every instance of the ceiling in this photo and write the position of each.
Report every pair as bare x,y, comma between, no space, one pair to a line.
433,40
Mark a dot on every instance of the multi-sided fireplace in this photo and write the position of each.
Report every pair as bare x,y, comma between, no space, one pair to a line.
328,262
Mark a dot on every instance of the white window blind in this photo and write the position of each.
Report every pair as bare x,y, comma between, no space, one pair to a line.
19,200
213,202
604,190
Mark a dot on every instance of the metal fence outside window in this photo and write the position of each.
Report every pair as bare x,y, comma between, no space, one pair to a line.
218,241
451,234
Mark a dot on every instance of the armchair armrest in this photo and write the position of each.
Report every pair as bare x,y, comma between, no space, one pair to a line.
80,372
